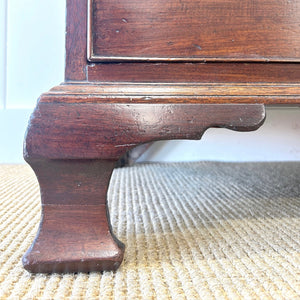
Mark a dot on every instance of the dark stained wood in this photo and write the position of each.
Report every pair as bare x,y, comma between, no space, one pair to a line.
80,182
73,239
80,129
91,134
266,93
195,72
76,46
74,233
73,148
195,30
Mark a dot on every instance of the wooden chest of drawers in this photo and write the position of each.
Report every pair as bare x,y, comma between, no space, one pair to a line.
138,71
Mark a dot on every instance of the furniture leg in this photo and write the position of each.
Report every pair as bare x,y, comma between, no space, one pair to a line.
74,233
73,148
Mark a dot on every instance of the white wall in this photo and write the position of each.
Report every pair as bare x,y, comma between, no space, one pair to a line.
3,30
35,49
32,61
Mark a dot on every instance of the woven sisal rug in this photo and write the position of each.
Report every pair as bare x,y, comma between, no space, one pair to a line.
192,231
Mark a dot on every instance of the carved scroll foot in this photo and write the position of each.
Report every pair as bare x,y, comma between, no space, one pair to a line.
73,146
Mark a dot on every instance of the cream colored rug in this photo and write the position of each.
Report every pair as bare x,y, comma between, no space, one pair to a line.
192,231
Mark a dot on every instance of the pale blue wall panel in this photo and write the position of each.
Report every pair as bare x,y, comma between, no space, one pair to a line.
3,28
35,53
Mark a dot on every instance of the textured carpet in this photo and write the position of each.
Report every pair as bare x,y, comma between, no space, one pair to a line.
192,231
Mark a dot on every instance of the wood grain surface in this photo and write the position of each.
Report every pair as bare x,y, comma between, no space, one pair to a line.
73,148
75,233
124,98
108,130
195,72
194,30
76,40
175,93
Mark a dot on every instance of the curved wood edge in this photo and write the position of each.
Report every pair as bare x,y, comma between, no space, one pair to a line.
73,149
75,233
74,239
108,130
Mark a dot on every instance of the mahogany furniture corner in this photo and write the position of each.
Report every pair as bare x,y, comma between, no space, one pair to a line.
140,71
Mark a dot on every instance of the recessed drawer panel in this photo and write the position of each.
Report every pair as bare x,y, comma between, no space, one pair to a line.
194,30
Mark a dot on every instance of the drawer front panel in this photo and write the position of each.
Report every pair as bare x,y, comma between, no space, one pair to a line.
194,30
